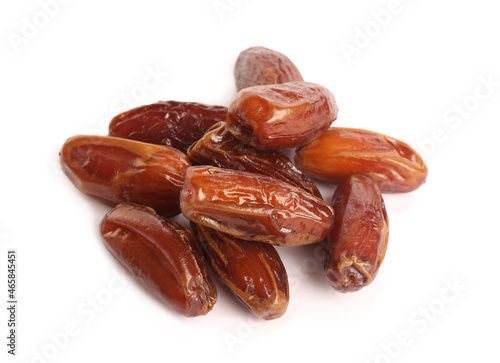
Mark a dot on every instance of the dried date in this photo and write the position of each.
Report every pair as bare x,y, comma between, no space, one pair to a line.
172,123
341,152
281,116
162,256
253,271
254,207
116,170
357,245
218,147
257,66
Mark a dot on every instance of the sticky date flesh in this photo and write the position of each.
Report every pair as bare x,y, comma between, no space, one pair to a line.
281,116
253,271
116,170
358,242
254,207
172,123
162,256
341,152
218,147
257,66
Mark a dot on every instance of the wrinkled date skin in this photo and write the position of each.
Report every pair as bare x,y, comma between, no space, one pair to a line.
253,271
281,116
357,245
341,152
172,123
257,66
254,207
162,256
117,170
218,147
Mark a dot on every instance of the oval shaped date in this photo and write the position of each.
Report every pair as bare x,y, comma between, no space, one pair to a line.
341,152
172,123
257,66
281,116
218,147
254,207
253,271
116,170
162,256
357,245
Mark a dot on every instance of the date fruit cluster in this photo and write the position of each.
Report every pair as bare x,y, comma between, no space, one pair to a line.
225,170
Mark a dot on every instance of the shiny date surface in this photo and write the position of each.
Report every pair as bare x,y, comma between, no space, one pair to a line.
162,256
116,170
341,152
253,271
281,116
254,207
358,243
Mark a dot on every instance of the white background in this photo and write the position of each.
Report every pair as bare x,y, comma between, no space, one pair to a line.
67,69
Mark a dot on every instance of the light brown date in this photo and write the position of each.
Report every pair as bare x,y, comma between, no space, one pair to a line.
281,116
341,152
257,66
254,207
116,170
252,271
162,256
218,147
357,245
172,123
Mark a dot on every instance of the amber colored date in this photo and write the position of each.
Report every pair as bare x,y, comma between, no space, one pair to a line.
162,256
254,207
172,123
281,116
357,245
341,152
257,66
116,170
253,271
218,147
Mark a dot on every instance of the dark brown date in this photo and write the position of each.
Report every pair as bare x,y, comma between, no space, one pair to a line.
116,170
341,152
162,256
253,271
218,147
172,123
257,66
281,116
357,245
254,207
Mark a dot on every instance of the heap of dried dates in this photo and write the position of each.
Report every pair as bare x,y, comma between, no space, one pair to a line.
222,168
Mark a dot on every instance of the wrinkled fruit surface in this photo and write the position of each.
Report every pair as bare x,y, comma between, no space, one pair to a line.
117,170
341,152
281,116
218,147
254,207
253,271
162,256
172,123
357,245
257,66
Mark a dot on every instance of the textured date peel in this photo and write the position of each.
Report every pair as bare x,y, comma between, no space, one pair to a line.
281,116
254,207
172,123
218,147
257,66
252,271
357,245
162,256
116,170
341,152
